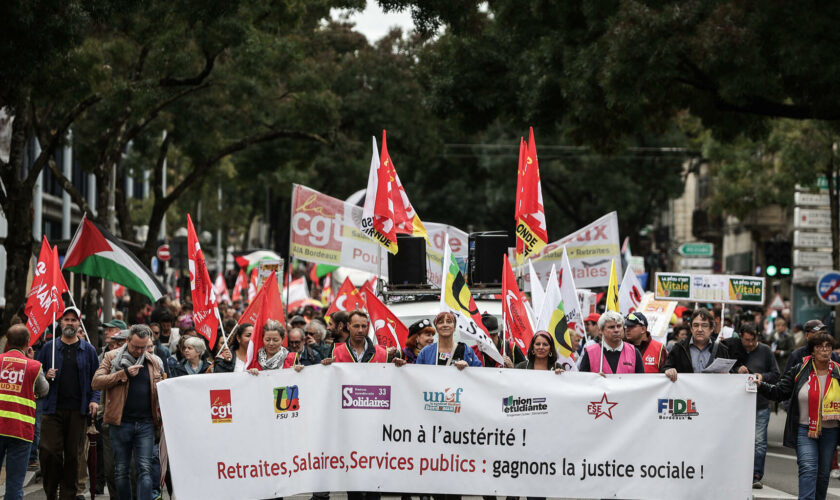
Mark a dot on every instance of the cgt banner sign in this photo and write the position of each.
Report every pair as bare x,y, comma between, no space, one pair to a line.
438,430
719,288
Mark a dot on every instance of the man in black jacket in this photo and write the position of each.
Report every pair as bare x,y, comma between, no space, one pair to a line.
699,350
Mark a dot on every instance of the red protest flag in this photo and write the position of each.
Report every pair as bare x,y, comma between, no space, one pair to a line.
44,300
241,283
205,307
388,329
252,285
405,217
513,307
265,306
530,225
347,299
220,287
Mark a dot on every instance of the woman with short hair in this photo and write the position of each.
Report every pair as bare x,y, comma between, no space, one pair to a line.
420,334
193,362
446,351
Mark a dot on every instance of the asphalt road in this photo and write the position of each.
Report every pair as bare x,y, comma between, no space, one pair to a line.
780,479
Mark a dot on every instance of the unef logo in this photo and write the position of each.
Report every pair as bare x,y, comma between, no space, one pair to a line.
11,374
221,411
447,400
677,409
286,401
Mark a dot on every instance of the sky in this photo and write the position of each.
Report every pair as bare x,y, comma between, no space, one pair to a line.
374,23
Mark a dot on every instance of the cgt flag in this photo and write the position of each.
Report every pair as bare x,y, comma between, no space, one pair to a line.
388,330
531,232
221,289
44,301
407,220
346,299
241,284
378,220
513,306
205,307
456,298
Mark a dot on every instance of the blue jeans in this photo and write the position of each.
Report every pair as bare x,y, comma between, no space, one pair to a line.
137,437
762,418
16,452
814,458
39,410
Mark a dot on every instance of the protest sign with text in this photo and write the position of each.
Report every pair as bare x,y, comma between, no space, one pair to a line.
439,430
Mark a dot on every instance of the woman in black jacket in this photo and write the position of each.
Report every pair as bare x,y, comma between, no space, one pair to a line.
233,359
813,420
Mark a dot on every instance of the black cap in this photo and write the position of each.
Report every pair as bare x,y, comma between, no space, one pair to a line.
815,325
490,323
635,318
418,326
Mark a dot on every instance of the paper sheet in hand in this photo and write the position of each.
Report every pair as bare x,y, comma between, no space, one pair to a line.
719,365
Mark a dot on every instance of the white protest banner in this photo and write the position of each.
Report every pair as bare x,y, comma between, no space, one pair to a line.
325,230
430,429
720,288
590,249
658,314
438,235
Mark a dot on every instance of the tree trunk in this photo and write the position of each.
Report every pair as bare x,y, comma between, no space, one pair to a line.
18,248
90,307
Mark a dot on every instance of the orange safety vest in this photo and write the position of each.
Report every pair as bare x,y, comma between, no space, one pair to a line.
652,356
17,395
341,354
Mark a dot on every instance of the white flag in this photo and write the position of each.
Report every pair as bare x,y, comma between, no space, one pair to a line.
537,290
552,318
574,314
630,293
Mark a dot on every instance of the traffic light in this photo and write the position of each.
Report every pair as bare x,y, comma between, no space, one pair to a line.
777,255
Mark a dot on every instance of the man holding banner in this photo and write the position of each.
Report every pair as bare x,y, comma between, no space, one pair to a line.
698,351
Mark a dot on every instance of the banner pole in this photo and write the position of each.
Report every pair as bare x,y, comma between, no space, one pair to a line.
221,327
54,341
285,307
82,323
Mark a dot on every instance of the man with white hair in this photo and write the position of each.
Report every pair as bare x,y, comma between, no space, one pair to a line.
616,356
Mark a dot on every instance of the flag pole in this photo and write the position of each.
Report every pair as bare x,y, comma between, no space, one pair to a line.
53,341
285,307
82,323
221,327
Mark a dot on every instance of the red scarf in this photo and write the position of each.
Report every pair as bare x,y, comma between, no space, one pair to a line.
816,396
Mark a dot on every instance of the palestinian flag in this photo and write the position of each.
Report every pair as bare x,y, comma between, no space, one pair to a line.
96,252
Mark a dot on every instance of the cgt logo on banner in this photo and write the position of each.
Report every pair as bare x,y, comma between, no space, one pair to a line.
370,397
677,409
11,379
221,411
286,401
600,408
514,407
446,400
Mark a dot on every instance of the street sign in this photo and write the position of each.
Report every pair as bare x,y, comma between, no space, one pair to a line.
696,262
828,288
697,249
163,252
808,276
811,218
803,239
778,303
802,258
810,199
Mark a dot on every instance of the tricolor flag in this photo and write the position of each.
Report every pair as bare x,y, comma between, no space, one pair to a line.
44,302
265,306
531,232
205,306
96,252
455,297
553,319
513,306
347,299
612,290
378,213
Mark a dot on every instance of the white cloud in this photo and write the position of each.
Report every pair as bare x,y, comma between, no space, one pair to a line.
373,22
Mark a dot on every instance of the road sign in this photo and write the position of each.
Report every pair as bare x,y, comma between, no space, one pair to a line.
803,239
696,262
778,303
801,258
163,252
809,276
828,288
811,218
697,249
810,199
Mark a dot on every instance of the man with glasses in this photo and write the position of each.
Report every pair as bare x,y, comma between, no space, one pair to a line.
760,360
314,334
299,351
698,351
128,376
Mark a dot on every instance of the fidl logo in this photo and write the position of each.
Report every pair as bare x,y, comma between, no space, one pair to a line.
677,409
446,400
221,411
286,399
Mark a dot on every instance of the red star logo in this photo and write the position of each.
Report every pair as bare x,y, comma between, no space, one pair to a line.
602,407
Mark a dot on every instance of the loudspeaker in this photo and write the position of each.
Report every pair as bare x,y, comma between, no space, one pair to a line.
485,259
408,267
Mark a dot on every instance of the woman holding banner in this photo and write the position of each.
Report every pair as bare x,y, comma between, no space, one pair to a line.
541,354
235,362
272,354
446,351
813,389
420,334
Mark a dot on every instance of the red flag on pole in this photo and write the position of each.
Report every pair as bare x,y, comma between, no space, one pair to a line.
513,308
388,329
241,283
205,306
347,299
531,232
44,300
220,287
265,306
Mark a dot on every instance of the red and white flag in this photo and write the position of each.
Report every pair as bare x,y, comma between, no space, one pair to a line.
406,219
252,285
297,293
347,299
241,283
630,292
221,289
44,301
387,329
513,305
265,306
531,232
378,213
205,306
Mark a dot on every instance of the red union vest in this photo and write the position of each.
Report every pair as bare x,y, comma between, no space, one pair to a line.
652,356
626,363
341,354
17,395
